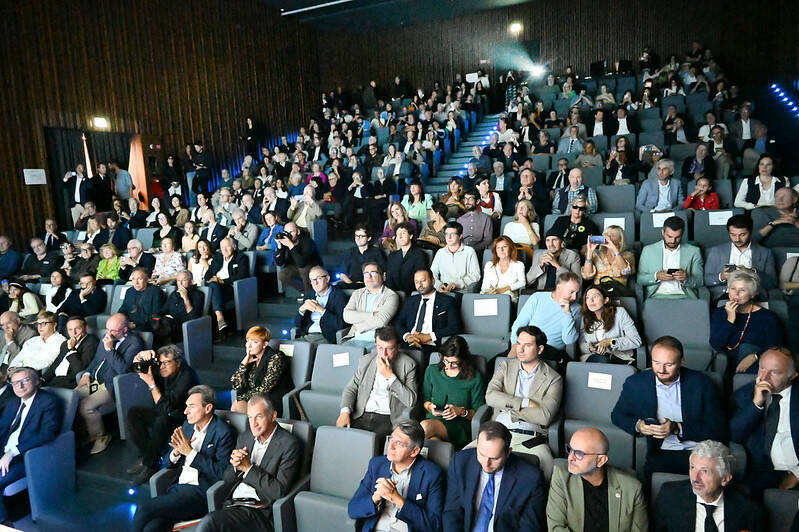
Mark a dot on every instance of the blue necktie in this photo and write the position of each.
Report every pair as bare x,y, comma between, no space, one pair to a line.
486,510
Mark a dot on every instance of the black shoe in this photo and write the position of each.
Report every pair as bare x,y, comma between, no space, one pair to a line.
144,476
136,468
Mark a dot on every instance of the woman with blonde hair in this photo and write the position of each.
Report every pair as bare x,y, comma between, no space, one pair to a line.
524,229
610,264
396,214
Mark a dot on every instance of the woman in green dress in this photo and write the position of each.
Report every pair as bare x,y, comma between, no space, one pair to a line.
453,390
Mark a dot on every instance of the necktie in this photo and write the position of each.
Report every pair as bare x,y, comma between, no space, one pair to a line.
420,319
17,419
772,420
486,510
571,144
710,523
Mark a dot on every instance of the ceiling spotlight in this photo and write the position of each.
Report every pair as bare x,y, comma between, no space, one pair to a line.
515,28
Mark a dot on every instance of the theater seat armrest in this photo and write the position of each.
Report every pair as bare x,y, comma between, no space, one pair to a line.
283,514
214,495
161,481
292,399
482,415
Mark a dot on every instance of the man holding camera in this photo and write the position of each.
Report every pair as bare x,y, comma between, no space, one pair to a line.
296,254
169,381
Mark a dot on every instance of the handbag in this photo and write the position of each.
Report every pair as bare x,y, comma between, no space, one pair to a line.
615,288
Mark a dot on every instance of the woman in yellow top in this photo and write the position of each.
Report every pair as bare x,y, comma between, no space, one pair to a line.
610,264
108,268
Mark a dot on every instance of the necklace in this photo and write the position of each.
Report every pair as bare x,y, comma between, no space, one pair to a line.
740,338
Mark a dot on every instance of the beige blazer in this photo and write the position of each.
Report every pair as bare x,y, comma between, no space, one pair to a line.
386,308
545,393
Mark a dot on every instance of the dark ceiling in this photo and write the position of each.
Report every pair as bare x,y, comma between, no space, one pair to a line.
366,15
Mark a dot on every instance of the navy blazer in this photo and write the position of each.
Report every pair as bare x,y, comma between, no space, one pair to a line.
86,189
702,414
122,236
748,425
521,500
332,319
42,423
216,235
140,306
214,457
675,510
446,316
239,267
108,364
424,499
146,261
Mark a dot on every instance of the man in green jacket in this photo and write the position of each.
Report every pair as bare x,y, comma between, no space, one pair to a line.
587,494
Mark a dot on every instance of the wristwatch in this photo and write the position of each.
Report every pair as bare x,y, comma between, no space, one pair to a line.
613,343
151,387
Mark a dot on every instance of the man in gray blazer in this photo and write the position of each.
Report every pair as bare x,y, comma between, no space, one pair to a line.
383,386
547,265
264,466
370,307
662,194
740,252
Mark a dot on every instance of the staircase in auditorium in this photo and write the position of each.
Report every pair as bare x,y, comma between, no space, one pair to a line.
456,164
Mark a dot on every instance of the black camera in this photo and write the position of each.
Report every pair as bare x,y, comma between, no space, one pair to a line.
142,366
281,235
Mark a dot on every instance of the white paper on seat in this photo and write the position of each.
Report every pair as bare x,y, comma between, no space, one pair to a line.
287,349
485,307
718,217
81,235
341,359
287,426
600,381
123,292
789,255
659,217
614,221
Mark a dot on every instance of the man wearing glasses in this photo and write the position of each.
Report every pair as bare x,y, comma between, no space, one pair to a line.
574,227
169,382
588,494
40,351
87,301
401,490
31,419
362,252
53,238
370,307
567,193
322,312
296,254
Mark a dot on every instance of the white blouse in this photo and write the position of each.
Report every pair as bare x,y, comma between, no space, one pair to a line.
514,278
518,232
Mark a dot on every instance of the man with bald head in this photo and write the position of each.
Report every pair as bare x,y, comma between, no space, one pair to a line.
113,357
296,254
243,232
588,494
41,264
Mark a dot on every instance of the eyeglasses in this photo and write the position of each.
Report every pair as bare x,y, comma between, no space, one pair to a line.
451,364
21,382
319,278
394,441
578,454
40,323
579,208
371,273
357,235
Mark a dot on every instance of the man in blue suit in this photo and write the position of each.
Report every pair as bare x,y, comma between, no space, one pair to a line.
428,316
114,357
201,448
766,422
400,486
322,311
30,419
672,406
490,489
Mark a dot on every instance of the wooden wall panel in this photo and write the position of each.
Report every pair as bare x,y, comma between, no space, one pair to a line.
178,70
577,32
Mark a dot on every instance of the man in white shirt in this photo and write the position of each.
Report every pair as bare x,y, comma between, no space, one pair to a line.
263,467
707,501
40,351
455,267
599,123
201,448
621,119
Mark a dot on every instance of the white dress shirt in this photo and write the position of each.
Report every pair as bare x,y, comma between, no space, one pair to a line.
13,438
701,513
63,368
671,260
669,398
741,258
38,354
190,475
523,382
224,271
623,129
746,129
427,321
244,490
598,129
783,454
379,397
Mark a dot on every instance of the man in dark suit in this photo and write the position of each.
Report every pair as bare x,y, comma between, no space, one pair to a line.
53,238
213,232
766,422
88,301
322,312
488,488
113,357
405,261
227,267
694,504
428,316
142,301
6,390
30,419
265,465
558,178
117,234
79,188
296,254
75,356
528,186
400,486
272,203
136,258
201,449
674,407
621,124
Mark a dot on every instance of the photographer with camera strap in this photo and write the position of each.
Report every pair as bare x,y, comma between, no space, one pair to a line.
169,381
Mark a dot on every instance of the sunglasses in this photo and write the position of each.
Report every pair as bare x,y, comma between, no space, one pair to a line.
578,454
579,208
